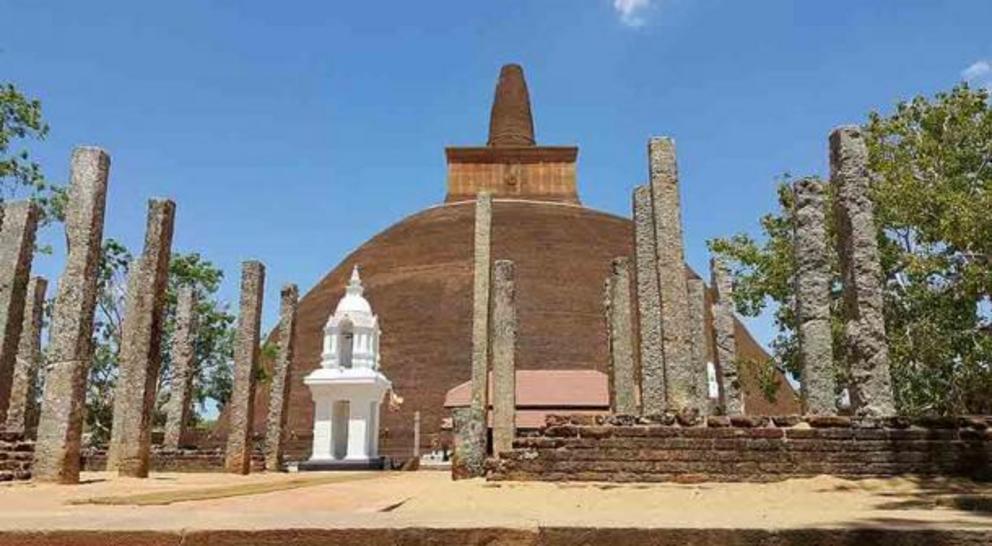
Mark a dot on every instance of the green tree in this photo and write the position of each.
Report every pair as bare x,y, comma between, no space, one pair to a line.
212,346
932,189
21,121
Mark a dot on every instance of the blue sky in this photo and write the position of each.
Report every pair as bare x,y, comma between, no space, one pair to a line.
293,131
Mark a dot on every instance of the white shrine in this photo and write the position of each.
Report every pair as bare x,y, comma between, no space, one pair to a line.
348,388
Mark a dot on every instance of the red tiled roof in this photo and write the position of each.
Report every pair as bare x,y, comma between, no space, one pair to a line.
553,389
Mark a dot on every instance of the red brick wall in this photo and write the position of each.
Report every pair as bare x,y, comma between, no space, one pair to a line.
747,449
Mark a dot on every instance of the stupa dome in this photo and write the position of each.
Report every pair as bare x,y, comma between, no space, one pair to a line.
417,274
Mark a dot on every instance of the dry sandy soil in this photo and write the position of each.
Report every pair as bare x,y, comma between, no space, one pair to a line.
172,501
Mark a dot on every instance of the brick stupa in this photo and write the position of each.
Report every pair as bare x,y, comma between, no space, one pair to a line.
418,277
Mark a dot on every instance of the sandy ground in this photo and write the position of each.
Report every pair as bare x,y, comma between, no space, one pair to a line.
431,499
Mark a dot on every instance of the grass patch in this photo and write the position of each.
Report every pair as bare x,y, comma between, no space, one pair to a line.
220,492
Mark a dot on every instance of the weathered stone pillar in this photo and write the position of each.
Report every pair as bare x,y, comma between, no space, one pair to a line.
237,460
504,342
700,345
183,368
56,455
868,349
141,353
812,293
480,333
275,432
676,342
623,385
467,461
648,305
724,326
20,222
416,434
22,404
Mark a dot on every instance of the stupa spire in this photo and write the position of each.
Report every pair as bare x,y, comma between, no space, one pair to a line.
355,283
511,123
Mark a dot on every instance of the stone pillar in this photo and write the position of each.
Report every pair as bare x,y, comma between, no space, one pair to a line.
416,434
623,385
700,345
676,342
467,461
20,222
812,293
480,328
648,305
237,460
56,455
724,325
183,368
275,433
140,352
22,404
504,342
868,349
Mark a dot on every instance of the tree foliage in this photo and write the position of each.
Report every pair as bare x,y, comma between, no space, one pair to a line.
213,344
20,176
932,189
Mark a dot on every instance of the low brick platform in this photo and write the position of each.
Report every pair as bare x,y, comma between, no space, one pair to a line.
175,460
753,449
16,455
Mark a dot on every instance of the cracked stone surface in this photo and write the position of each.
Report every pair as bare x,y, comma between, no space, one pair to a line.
504,342
237,459
648,305
726,343
623,385
140,352
861,270
183,368
676,344
17,235
275,428
70,348
812,292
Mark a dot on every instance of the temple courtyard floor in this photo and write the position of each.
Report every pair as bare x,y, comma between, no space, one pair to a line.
428,508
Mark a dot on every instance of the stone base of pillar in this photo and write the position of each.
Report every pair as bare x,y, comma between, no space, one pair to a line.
317,465
469,457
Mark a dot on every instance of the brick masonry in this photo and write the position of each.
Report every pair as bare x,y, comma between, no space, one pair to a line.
16,454
747,448
423,267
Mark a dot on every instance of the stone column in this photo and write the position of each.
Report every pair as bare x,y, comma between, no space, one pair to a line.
56,454
467,461
239,437
275,430
480,330
623,385
504,342
20,222
700,345
648,305
183,368
416,434
724,326
140,352
676,342
868,349
812,293
22,404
